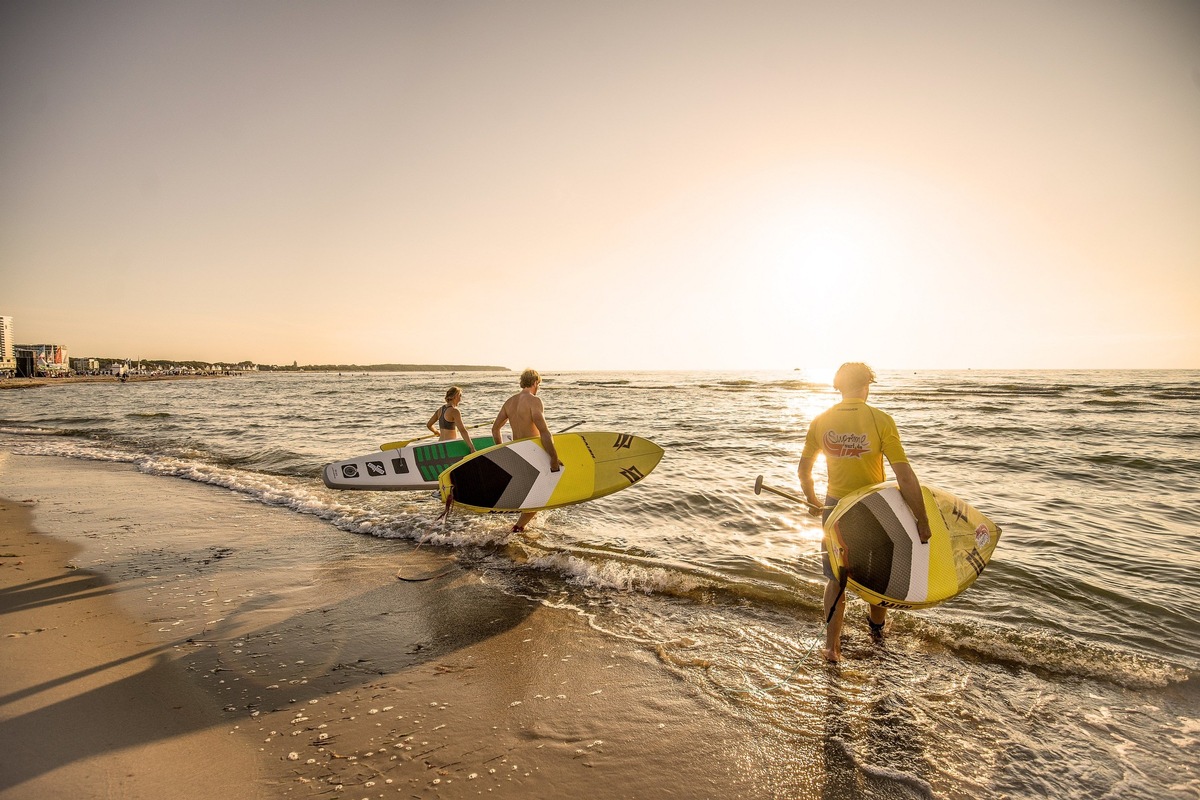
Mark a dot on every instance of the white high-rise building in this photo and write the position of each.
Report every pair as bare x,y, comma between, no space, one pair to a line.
8,358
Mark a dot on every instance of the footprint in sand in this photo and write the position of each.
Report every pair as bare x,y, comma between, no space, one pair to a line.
19,634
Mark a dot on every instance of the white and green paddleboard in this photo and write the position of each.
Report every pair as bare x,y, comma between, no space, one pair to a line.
414,466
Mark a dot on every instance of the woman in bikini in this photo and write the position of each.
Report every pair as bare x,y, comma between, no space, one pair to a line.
449,420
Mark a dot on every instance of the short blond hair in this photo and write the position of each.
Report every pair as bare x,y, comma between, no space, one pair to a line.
853,375
529,377
451,392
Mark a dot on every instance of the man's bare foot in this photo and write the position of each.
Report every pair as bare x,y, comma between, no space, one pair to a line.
831,655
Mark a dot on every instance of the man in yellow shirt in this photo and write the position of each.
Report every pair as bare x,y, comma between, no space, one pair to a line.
855,438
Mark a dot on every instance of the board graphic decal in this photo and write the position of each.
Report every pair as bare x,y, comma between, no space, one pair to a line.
874,543
517,476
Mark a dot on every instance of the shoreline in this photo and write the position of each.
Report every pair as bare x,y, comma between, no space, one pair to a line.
36,383
149,639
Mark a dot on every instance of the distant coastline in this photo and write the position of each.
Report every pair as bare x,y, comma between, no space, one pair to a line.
33,383
382,368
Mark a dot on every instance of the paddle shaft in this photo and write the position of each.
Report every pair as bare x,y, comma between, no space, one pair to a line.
759,485
407,442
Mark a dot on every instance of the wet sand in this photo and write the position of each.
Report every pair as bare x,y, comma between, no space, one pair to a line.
174,640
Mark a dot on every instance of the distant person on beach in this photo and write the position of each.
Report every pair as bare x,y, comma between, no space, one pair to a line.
524,414
855,438
449,419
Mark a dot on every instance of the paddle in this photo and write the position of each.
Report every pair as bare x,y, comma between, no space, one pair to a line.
759,486
406,442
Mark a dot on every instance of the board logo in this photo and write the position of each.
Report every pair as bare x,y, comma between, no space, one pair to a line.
846,445
632,474
982,536
350,471
624,440
376,469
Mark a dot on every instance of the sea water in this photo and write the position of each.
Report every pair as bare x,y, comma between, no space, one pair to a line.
1067,670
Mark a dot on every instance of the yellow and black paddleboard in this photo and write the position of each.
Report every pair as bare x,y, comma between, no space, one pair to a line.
516,476
873,540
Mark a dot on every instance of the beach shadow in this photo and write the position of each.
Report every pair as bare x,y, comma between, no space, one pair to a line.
871,753
76,585
63,680
379,632
840,770
307,655
895,745
121,714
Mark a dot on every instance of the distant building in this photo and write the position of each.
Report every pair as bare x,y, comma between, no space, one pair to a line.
49,360
8,356
85,366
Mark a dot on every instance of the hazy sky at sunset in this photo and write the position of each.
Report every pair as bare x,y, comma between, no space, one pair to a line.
605,185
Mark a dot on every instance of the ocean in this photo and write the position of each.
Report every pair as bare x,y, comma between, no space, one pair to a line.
1066,671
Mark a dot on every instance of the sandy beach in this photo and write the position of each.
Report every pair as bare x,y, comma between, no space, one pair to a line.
173,640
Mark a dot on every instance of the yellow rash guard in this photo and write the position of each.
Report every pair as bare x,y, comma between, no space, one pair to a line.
854,438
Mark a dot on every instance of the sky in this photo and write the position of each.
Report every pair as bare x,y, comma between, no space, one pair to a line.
928,184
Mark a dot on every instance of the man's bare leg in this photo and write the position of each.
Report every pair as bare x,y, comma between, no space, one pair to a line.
833,630
877,617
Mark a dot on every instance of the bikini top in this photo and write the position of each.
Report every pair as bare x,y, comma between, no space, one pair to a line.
444,423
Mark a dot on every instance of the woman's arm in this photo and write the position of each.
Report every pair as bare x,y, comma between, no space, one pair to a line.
462,427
